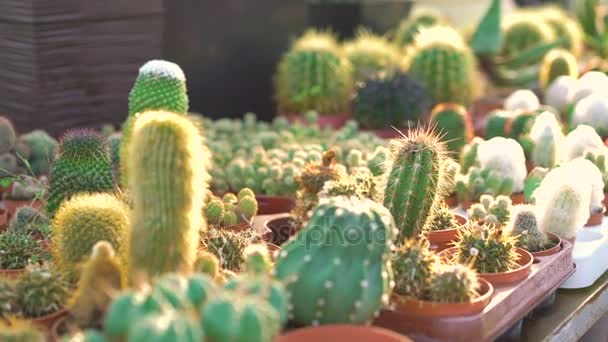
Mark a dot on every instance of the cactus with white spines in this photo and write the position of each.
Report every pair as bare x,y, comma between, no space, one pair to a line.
599,157
578,140
505,157
560,91
547,137
522,99
592,111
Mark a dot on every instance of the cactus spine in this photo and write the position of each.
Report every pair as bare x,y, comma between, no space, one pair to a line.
453,284
168,186
454,124
336,296
413,264
370,54
557,62
414,179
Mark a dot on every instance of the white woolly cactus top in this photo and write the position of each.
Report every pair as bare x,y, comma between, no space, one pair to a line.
593,82
506,158
522,99
439,34
593,111
585,170
162,68
546,122
560,92
577,141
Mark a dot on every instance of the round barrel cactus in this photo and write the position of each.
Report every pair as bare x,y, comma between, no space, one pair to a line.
557,62
370,54
410,26
454,125
8,138
523,31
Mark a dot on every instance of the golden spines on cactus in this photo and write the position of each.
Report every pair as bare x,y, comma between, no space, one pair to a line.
168,183
102,277
557,62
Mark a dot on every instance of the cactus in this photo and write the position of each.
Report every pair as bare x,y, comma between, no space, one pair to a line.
214,212
469,157
8,137
497,123
168,185
557,62
26,188
313,75
578,140
114,146
231,209
533,180
27,220
559,92
336,296
18,250
41,291
160,85
452,170
14,330
443,218
42,148
592,111
8,297
368,54
409,27
453,284
522,32
82,165
547,137
506,159
358,184
167,326
414,181
229,247
207,263
84,220
522,99
598,156
444,64
454,124
491,210
8,165
102,276
589,172
390,99
478,182
486,248
564,27
525,225
413,265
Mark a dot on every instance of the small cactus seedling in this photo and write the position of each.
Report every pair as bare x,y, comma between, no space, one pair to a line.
231,209
491,210
557,62
28,220
41,291
525,225
453,284
486,248
336,296
413,266
454,124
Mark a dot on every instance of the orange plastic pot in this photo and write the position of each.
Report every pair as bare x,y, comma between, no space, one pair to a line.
11,206
270,205
550,251
595,218
47,321
11,273
342,332
442,239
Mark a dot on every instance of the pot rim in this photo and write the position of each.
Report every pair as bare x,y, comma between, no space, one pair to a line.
336,331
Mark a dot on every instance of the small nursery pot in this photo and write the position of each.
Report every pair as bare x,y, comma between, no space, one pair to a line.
281,229
12,205
518,198
442,239
237,228
451,201
269,205
334,121
56,329
11,273
47,321
342,332
552,250
3,217
431,309
503,278
595,219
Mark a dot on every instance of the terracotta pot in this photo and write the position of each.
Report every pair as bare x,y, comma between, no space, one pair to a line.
3,217
435,309
11,273
442,239
387,133
237,228
334,121
342,332
550,251
281,229
595,219
55,334
518,198
606,203
12,205
451,201
503,278
481,108
47,321
269,205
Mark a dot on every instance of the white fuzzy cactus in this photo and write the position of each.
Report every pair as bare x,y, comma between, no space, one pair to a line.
522,99
577,141
591,83
505,157
586,171
560,92
592,111
547,135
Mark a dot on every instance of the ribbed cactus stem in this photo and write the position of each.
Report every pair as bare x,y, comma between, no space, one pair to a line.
168,186
564,210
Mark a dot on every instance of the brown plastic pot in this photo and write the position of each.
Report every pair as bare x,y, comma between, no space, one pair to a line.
442,239
595,218
47,321
11,273
281,229
431,309
518,198
342,332
451,201
550,251
270,205
502,278
334,121
12,205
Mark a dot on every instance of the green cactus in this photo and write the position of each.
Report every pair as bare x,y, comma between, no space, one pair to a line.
452,171
564,27
525,225
443,218
414,181
523,31
248,207
370,54
81,222
336,296
491,210
114,146
165,327
28,220
207,263
409,27
82,165
599,157
453,284
15,330
497,123
245,192
390,99
102,276
454,125
8,137
479,182
8,297
168,182
42,148
469,156
229,247
445,65
214,212
8,165
18,250
41,291
486,248
557,62
413,265
313,75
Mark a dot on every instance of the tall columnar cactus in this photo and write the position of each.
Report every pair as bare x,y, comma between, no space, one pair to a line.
83,221
390,99
557,62
313,75
8,138
42,147
563,207
547,137
414,181
336,295
168,183
82,165
370,54
454,125
592,111
408,28
453,284
413,265
525,225
160,85
441,60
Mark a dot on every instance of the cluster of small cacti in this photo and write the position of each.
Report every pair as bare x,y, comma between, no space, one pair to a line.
369,54
490,210
477,182
231,209
18,249
361,184
442,219
487,248
525,225
228,246
506,159
454,125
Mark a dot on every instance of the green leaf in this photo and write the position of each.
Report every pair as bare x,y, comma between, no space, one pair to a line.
487,39
5,182
528,56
